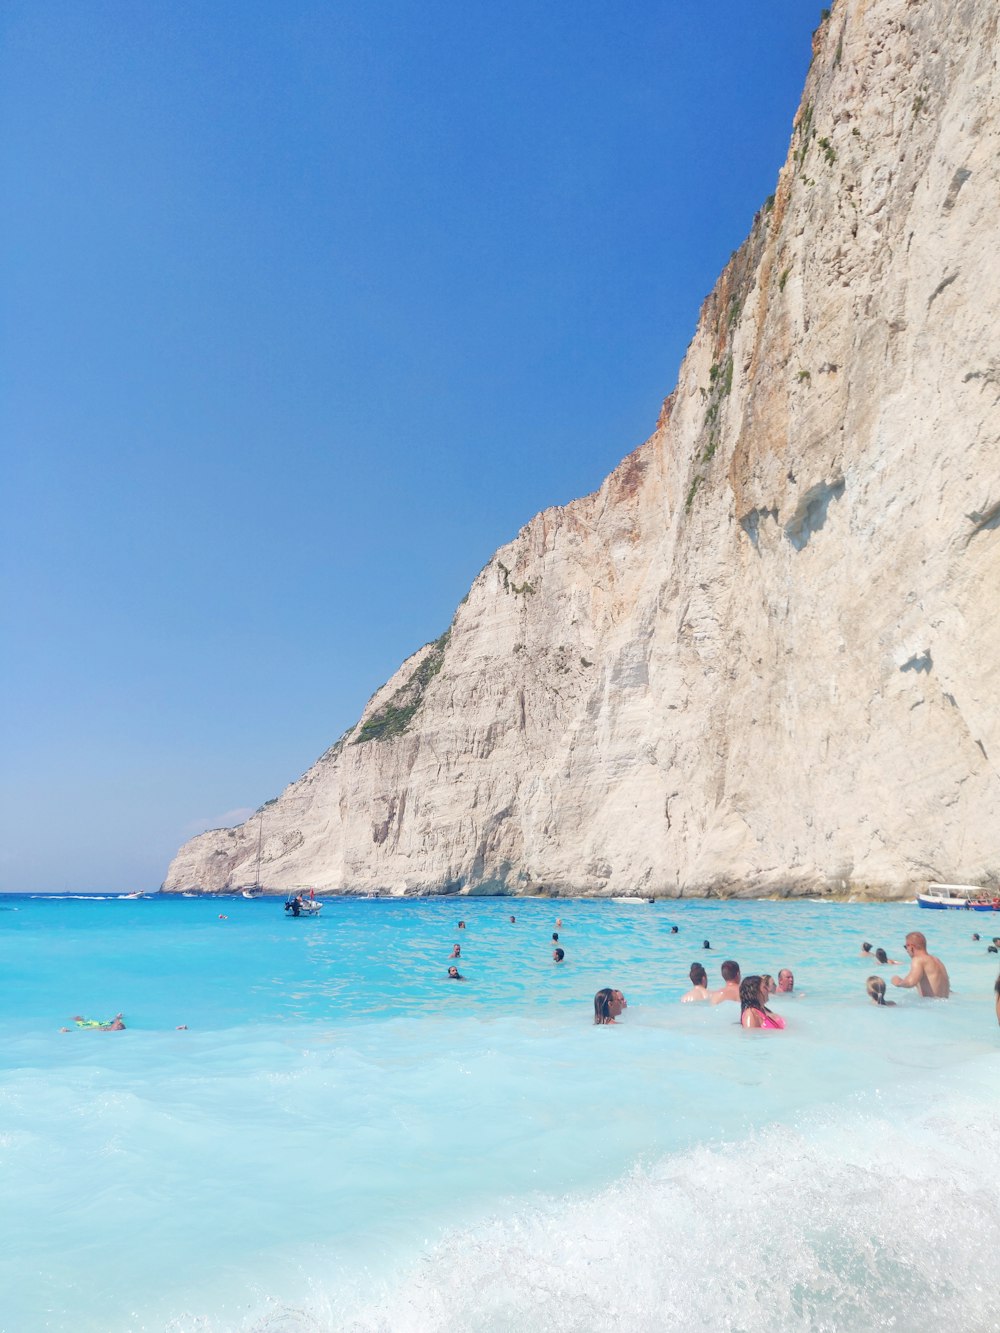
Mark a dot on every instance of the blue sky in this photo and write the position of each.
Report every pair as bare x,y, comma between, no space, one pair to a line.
308,308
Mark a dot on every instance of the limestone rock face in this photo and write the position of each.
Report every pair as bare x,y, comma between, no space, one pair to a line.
763,657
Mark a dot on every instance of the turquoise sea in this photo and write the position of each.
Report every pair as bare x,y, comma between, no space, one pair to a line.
343,1139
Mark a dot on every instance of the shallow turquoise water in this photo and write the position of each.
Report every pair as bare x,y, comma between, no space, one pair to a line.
344,1139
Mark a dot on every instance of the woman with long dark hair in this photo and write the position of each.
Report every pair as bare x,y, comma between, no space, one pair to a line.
754,1012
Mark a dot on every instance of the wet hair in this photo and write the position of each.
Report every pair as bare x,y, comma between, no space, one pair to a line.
461,925
866,947
454,974
975,934
555,936
730,970
875,987
673,930
750,995
705,944
881,955
992,948
559,955
698,975
602,1005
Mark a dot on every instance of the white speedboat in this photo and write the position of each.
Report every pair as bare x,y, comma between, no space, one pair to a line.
959,897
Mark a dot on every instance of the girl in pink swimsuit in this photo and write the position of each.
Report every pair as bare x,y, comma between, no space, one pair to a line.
754,1012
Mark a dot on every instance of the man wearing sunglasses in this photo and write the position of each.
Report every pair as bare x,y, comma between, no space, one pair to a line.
927,973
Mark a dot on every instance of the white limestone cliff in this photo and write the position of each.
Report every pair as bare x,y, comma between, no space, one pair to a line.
762,658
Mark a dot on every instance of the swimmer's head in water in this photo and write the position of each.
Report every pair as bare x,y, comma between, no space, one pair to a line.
705,944
767,985
750,993
875,987
731,971
881,955
461,925
558,955
454,974
673,930
866,947
698,975
786,981
608,1004
555,936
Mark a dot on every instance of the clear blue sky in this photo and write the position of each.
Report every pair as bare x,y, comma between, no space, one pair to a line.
308,308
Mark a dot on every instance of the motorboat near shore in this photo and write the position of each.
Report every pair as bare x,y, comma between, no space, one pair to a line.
962,897
302,904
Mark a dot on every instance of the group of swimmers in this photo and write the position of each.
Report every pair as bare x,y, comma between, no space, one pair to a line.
927,975
558,953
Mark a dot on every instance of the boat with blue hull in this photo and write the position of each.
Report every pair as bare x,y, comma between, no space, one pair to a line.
959,897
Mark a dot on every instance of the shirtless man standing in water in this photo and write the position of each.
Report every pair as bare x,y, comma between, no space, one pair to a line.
927,973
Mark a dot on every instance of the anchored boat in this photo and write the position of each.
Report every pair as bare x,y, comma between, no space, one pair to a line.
963,897
298,904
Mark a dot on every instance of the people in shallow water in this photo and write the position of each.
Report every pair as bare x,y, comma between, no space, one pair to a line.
875,987
513,919
461,925
456,951
768,986
558,955
730,988
786,981
927,973
673,930
882,958
754,1012
608,1005
866,950
454,974
699,985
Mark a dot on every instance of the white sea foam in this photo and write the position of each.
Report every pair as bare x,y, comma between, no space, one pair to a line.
883,1215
